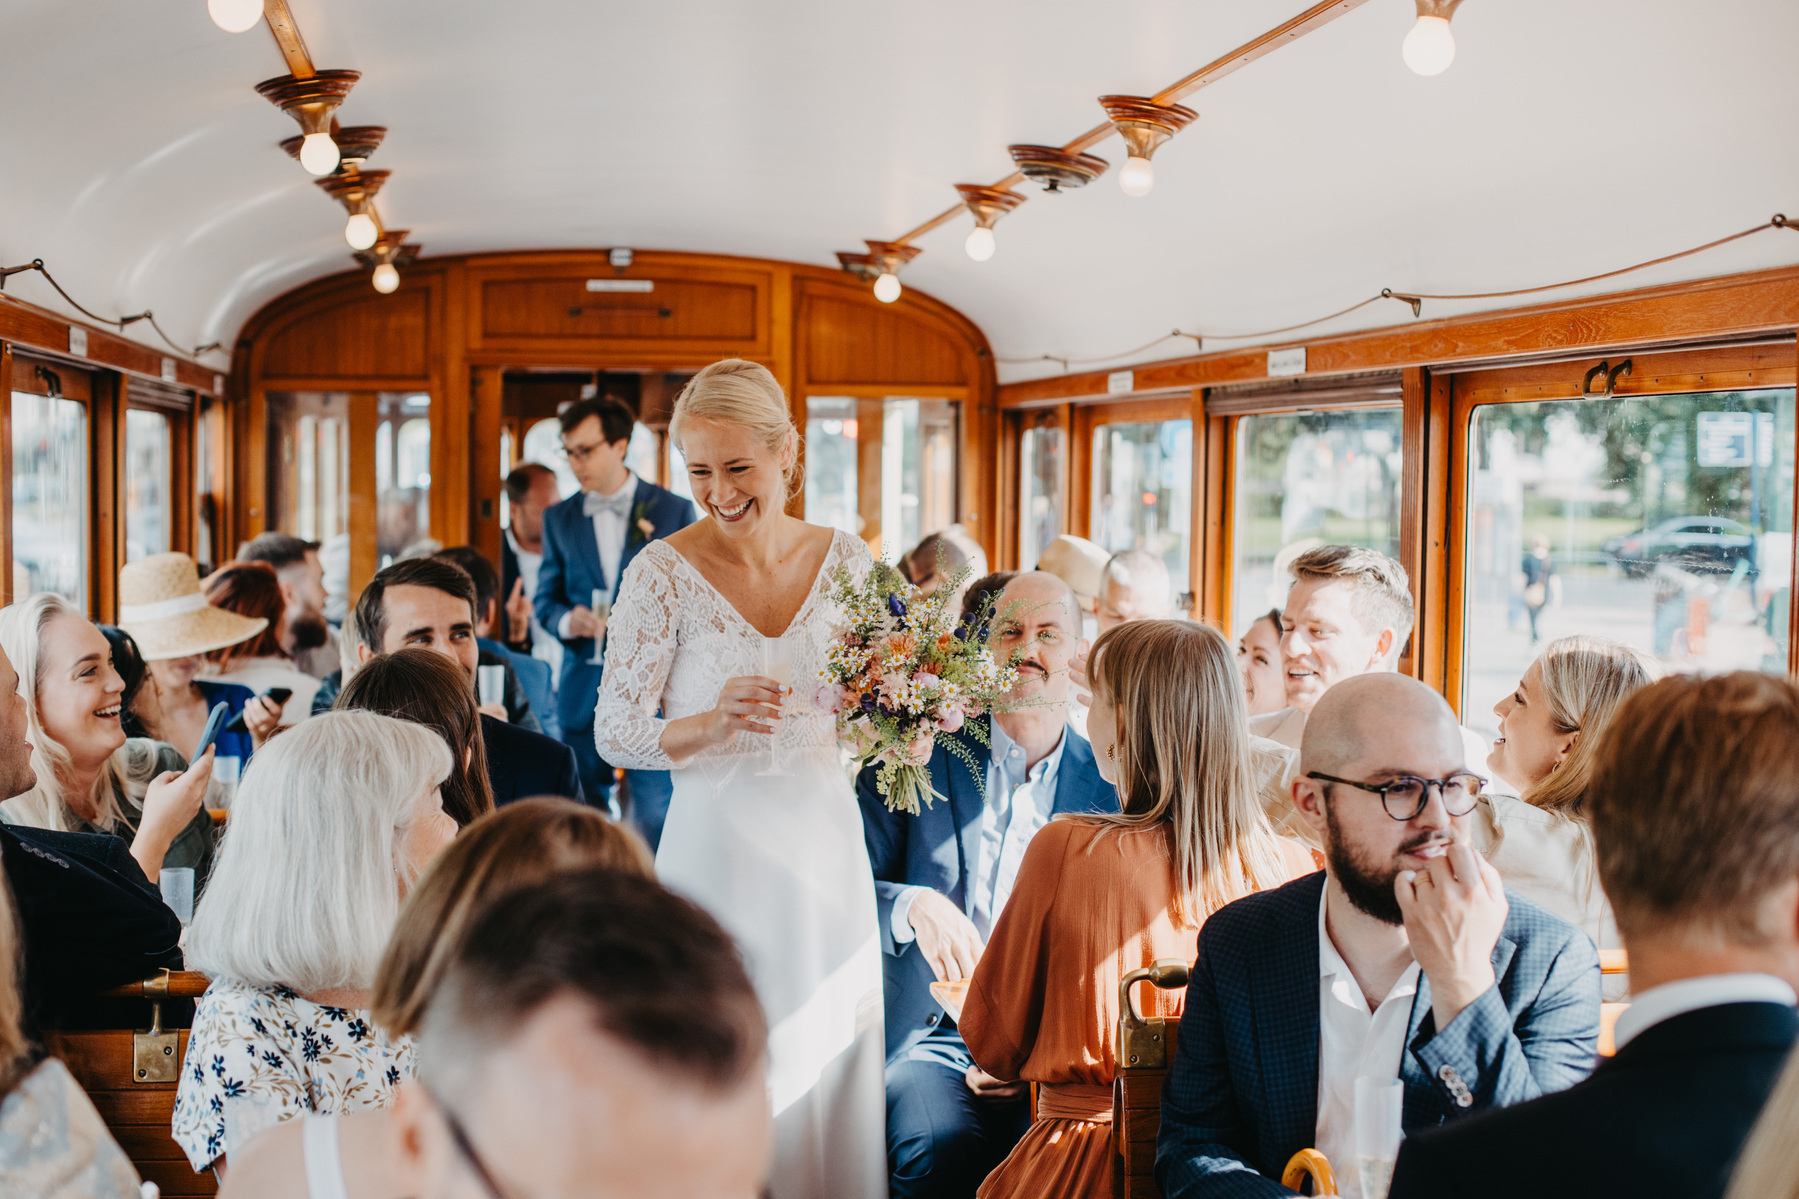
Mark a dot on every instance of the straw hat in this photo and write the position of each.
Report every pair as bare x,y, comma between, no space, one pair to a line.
1077,562
162,607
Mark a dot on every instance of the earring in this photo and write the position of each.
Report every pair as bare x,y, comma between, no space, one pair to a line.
1112,752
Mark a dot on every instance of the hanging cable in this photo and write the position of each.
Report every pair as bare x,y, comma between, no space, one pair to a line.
1415,299
37,264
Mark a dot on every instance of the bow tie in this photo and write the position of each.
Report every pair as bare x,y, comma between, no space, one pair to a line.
619,505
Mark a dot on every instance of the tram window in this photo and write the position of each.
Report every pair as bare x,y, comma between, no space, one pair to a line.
1143,491
1662,521
147,471
918,470
1304,479
402,472
832,497
543,444
642,453
309,455
1041,452
49,496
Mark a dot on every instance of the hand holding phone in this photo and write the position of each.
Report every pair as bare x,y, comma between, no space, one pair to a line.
275,695
214,724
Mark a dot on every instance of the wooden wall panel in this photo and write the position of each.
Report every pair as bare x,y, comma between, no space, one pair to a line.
372,337
678,310
850,341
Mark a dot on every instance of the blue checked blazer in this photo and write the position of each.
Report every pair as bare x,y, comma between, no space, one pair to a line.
1242,1096
571,573
938,848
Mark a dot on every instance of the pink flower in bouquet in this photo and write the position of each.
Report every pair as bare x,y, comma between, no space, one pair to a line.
830,697
924,678
951,719
918,751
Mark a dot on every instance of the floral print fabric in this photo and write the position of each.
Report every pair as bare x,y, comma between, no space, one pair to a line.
273,1047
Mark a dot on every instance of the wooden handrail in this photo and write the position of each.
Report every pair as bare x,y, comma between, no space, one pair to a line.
167,984
1614,961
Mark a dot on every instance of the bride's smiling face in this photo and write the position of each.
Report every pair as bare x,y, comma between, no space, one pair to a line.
736,478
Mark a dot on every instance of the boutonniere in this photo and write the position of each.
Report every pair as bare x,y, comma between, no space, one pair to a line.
640,522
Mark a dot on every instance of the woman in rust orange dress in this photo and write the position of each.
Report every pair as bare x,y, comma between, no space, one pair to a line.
1098,896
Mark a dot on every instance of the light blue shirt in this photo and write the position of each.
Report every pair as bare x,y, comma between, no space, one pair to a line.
1018,803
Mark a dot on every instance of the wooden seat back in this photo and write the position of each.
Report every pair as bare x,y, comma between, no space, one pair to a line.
1145,1051
131,1075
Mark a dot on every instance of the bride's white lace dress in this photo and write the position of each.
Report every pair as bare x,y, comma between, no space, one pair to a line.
779,861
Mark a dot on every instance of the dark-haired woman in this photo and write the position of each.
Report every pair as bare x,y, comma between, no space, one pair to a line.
427,688
253,589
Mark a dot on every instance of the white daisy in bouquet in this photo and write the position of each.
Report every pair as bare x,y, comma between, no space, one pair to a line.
902,668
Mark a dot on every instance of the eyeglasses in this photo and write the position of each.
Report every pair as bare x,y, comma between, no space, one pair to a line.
1406,797
460,1138
577,453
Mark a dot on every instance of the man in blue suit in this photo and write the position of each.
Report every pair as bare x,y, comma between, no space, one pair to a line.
1405,959
588,541
941,879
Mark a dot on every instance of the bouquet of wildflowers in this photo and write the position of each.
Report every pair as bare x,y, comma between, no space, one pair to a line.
902,668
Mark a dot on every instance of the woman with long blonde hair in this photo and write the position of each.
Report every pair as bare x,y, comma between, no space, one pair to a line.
1100,895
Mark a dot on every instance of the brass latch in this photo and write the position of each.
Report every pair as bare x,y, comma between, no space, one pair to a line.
154,1053
1143,1043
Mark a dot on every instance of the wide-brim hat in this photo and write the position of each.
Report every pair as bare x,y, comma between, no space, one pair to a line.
1077,562
162,607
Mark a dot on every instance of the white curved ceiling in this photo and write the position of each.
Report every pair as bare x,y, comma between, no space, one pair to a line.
1568,138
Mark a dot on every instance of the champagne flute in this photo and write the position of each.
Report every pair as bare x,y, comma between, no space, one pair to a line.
602,608
1379,1103
779,667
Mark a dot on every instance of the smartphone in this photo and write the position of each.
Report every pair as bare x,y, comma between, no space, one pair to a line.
214,723
280,696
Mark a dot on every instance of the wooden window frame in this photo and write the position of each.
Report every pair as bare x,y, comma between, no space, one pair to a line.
1453,395
1086,418
183,453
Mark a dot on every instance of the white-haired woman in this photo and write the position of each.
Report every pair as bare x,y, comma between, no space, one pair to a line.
91,778
1538,839
780,861
332,823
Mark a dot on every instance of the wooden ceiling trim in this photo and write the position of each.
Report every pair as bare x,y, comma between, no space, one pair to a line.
1724,306
31,327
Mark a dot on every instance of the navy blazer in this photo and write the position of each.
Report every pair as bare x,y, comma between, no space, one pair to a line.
1664,1119
1242,1096
534,680
521,764
937,849
571,573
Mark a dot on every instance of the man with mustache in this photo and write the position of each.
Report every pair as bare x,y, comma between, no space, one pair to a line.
1404,959
942,877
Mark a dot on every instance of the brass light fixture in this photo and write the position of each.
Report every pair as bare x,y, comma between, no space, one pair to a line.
355,189
312,102
356,144
1144,125
1055,168
988,204
389,253
1430,47
888,257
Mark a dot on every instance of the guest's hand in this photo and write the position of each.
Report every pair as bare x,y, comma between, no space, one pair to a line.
583,623
170,803
1077,677
1454,910
751,704
989,1089
518,614
262,716
946,936
497,711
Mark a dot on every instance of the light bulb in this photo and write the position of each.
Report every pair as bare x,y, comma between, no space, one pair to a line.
887,288
234,16
1136,177
980,244
318,153
1429,48
360,231
385,278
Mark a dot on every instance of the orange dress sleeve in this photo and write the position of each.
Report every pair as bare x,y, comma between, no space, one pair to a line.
1004,1010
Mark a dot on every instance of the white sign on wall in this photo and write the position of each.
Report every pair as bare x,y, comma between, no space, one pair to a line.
168,370
78,340
621,285
1120,383
1286,362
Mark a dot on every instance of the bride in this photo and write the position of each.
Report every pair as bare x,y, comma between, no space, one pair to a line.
778,859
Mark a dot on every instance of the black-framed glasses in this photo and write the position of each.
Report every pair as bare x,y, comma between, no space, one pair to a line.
1405,797
460,1138
576,453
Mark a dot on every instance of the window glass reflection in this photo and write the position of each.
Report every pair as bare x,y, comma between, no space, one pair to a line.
402,472
1661,521
49,496
147,472
832,497
543,444
1304,479
918,470
1143,491
308,461
1040,453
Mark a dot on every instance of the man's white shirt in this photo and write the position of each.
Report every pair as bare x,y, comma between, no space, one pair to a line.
609,530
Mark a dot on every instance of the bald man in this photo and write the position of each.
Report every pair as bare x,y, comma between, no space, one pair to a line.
1133,586
942,877
1405,959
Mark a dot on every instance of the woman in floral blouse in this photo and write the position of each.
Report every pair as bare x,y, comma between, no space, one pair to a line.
333,822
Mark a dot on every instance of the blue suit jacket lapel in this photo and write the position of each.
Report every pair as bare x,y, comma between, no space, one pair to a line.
583,547
1079,788
634,538
966,806
1285,989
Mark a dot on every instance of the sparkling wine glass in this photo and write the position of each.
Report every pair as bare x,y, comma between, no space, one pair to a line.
779,667
602,608
1378,1106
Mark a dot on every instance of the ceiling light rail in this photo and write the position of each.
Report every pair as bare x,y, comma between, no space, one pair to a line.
1414,299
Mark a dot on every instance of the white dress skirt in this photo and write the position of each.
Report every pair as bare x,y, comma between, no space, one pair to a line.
779,861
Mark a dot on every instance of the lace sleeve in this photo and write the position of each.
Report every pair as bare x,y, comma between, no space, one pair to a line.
640,649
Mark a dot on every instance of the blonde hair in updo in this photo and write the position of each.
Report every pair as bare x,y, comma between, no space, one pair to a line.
738,392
